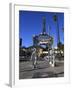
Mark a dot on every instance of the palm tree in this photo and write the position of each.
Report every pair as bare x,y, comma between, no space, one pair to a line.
59,44
57,27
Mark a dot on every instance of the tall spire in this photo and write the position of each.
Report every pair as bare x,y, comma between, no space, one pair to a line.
44,25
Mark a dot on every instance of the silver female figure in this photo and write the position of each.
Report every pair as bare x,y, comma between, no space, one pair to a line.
34,58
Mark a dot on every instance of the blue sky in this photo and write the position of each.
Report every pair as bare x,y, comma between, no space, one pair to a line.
30,23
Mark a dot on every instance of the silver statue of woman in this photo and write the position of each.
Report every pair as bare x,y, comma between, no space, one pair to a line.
52,60
50,57
34,58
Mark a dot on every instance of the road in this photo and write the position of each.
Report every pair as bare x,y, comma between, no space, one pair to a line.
43,70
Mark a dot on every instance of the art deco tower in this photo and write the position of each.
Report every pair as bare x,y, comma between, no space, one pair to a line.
44,25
